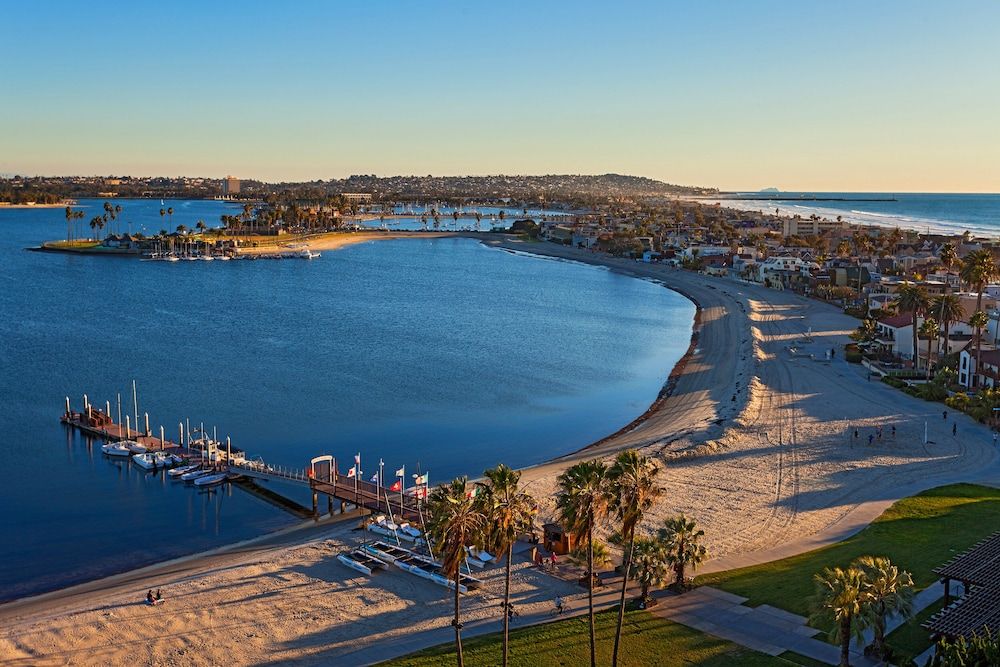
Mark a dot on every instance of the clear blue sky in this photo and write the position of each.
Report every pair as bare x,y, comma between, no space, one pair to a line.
891,96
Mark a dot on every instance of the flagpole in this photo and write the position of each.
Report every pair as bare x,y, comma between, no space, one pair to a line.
402,488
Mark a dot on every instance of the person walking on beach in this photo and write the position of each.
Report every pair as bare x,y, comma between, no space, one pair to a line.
870,438
893,431
944,415
855,434
954,428
878,433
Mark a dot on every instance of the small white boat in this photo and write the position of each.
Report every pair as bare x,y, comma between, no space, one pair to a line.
206,258
134,447
171,258
163,459
177,472
210,480
195,474
147,461
223,258
115,449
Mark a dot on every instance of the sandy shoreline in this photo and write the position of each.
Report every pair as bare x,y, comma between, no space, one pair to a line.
755,437
336,240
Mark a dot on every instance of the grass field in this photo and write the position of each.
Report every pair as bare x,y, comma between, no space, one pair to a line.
910,640
917,533
646,640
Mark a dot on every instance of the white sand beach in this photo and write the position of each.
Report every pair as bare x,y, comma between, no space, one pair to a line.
756,443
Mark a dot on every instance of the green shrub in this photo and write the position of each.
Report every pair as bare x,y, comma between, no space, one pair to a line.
893,382
853,357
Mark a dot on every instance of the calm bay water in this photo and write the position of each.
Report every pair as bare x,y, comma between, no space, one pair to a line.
937,213
442,354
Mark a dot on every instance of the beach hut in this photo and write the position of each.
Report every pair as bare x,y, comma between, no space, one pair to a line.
557,540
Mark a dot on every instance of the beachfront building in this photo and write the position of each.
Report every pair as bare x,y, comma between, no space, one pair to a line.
784,266
357,197
895,334
810,227
988,372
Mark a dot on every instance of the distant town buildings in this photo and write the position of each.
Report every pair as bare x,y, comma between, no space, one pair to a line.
230,186
360,197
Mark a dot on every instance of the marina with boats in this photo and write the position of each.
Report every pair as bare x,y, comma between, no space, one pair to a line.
393,518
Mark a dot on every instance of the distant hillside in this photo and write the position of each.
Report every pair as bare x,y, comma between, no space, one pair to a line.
550,187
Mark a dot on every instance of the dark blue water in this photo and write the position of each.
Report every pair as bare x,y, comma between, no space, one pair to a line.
438,353
939,213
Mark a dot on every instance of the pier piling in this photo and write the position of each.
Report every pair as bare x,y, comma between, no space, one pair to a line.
67,406
146,414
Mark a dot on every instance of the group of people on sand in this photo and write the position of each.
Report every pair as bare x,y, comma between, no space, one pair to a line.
154,600
876,434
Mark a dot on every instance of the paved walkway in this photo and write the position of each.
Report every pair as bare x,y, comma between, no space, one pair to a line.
768,629
765,628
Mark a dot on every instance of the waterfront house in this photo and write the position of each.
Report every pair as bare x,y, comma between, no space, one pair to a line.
988,373
895,334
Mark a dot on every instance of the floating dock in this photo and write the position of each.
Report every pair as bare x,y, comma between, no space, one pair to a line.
321,475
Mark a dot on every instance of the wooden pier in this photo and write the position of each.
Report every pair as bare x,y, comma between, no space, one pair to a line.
321,476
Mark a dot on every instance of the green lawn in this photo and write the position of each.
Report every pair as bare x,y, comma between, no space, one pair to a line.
917,533
910,640
646,640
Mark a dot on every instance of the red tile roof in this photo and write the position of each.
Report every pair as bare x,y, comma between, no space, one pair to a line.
897,321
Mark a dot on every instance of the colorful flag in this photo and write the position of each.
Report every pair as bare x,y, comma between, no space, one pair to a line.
473,493
401,472
375,477
352,471
398,486
420,479
357,458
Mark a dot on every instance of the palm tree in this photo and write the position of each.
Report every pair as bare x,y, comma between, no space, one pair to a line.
948,309
200,226
948,256
582,502
978,271
929,330
978,320
649,566
509,513
680,541
455,521
70,216
632,490
840,598
95,222
912,299
170,215
889,591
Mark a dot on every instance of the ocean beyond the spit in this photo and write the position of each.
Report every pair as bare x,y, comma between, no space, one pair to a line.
441,355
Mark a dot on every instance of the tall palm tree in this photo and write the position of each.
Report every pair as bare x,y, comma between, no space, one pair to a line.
455,521
978,320
948,308
840,598
680,539
948,256
649,565
889,591
912,299
632,490
70,216
582,502
978,271
929,330
509,513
